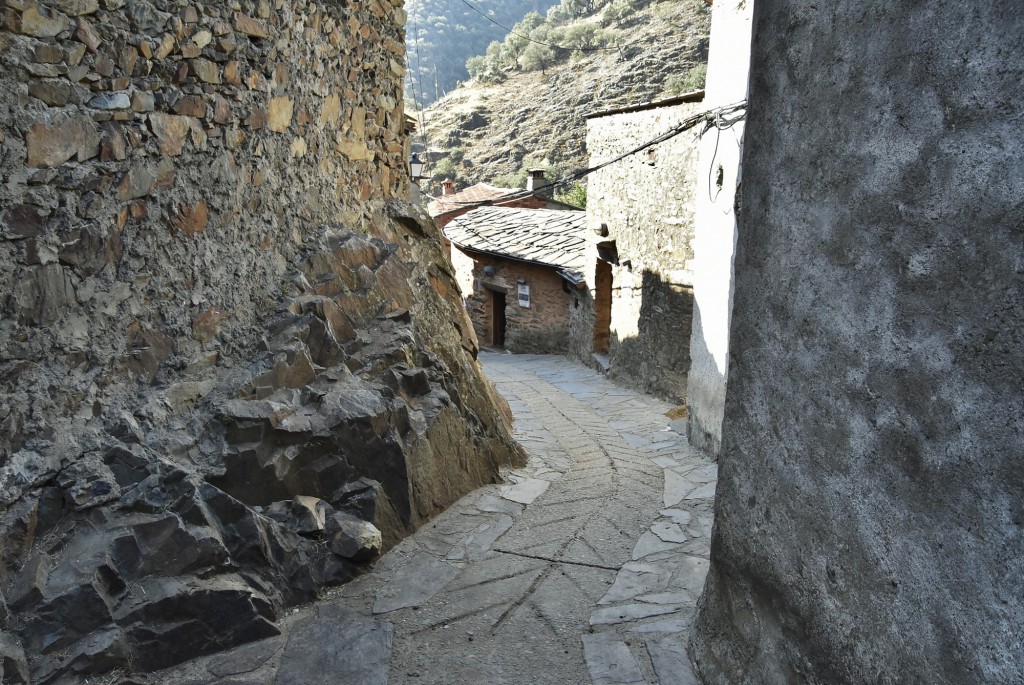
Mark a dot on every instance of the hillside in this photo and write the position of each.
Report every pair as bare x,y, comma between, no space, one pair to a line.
510,118
441,35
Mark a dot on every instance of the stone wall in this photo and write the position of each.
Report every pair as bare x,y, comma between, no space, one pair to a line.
714,240
869,509
540,328
645,204
226,342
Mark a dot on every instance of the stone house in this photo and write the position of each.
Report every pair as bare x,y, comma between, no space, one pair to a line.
453,204
638,306
519,271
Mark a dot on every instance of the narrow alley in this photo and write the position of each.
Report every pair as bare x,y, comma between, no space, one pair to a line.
584,567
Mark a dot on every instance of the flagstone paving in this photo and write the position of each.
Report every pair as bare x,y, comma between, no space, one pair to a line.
583,567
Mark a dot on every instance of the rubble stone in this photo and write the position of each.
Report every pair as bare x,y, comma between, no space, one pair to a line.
52,145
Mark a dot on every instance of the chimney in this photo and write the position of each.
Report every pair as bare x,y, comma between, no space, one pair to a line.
447,187
535,180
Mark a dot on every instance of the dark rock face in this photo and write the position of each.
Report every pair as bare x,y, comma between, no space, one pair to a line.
868,520
234,365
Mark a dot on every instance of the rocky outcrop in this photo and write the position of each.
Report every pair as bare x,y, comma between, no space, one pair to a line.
234,362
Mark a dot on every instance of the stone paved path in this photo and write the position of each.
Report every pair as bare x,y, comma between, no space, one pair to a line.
584,567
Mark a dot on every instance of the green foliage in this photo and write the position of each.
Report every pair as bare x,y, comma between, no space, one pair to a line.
537,57
617,10
576,195
444,168
441,35
687,83
538,42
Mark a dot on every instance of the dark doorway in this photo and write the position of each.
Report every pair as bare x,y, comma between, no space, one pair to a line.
602,307
498,322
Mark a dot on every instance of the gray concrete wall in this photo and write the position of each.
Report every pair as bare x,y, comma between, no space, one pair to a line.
871,496
647,203
718,180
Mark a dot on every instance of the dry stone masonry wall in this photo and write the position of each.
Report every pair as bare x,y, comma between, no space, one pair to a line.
233,363
643,206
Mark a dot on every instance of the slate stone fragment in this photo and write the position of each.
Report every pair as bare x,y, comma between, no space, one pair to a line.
178,619
352,538
337,646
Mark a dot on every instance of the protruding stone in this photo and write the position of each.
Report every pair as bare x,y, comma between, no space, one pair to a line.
42,22
88,483
75,8
137,182
120,100
87,34
51,145
206,71
165,47
279,117
355,150
192,106
171,131
330,113
250,27
143,101
177,617
54,93
304,515
352,538
24,221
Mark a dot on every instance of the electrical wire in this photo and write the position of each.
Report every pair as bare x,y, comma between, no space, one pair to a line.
418,90
719,123
709,117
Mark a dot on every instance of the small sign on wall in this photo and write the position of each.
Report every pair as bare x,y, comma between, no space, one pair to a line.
524,295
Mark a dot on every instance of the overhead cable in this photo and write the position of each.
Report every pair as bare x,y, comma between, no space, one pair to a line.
728,115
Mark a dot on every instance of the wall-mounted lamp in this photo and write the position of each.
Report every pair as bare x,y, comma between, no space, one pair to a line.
415,166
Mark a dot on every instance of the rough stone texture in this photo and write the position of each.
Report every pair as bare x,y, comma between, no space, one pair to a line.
714,239
214,301
641,221
540,328
868,523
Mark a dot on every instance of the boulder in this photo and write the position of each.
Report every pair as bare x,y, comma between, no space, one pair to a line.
352,538
303,515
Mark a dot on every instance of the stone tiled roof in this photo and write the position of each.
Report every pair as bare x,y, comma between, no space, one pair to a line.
481,192
546,236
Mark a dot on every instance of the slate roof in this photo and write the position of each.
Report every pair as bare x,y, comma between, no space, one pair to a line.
546,236
481,192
